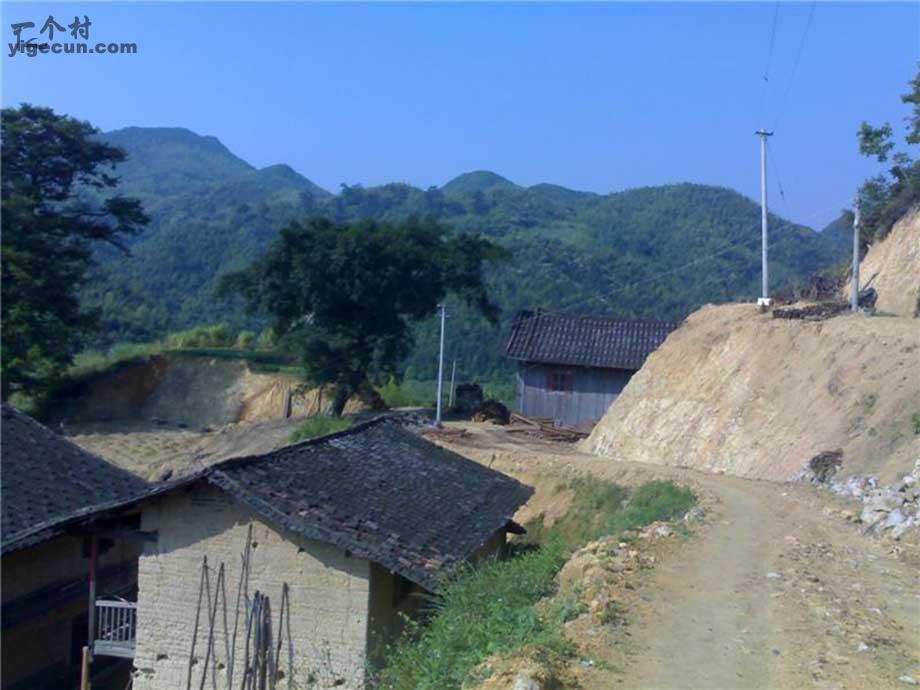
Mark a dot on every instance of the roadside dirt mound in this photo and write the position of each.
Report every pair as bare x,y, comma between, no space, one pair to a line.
737,391
892,267
198,392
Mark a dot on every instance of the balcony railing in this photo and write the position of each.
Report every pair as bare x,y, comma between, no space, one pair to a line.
116,628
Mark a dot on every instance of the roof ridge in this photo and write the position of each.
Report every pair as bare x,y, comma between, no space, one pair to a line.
314,441
611,319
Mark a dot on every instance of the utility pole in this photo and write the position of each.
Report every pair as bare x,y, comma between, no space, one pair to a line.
765,271
453,376
437,416
854,290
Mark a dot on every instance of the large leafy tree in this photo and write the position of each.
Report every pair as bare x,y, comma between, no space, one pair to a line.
55,206
344,296
885,198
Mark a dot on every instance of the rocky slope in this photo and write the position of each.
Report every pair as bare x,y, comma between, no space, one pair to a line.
737,391
892,267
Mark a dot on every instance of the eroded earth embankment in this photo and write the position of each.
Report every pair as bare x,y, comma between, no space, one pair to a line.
196,391
892,267
734,390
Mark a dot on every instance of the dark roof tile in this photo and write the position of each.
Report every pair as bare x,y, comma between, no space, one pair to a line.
381,492
586,341
47,480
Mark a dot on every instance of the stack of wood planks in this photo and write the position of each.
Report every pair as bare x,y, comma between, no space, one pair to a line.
444,433
543,427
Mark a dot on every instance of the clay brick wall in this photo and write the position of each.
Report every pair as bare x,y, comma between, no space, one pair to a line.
329,593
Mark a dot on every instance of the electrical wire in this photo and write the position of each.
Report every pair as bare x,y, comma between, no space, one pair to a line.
795,64
766,72
779,180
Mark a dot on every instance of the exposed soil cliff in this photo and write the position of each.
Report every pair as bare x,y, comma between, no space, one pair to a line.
737,391
198,392
892,267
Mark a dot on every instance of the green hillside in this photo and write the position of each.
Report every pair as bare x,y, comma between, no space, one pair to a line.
656,252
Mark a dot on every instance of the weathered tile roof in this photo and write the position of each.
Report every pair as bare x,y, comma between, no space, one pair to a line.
381,492
586,341
46,481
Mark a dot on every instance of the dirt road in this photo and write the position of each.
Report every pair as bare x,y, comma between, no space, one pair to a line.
775,590
775,594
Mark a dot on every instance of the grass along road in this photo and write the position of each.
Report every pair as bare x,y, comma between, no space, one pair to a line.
776,590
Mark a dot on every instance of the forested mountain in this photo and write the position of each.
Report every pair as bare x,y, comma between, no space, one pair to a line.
655,252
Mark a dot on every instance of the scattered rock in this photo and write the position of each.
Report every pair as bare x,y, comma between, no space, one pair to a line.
774,576
524,681
695,514
895,518
901,529
910,680
893,509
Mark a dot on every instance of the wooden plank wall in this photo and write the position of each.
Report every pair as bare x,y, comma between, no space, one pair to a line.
593,391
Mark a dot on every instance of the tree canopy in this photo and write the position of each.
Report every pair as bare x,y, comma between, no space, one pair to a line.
656,252
883,199
344,297
54,208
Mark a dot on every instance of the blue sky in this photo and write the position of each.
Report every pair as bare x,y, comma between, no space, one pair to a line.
599,97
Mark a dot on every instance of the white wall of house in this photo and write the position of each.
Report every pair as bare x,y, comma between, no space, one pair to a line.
329,594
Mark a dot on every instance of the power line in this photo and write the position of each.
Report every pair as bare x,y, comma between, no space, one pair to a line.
779,181
795,64
766,72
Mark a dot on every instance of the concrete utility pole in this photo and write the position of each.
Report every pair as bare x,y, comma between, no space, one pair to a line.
765,271
437,416
854,290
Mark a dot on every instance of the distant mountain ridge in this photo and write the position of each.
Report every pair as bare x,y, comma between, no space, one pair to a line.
654,252
476,181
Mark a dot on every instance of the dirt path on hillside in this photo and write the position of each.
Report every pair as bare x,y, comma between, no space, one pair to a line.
775,590
774,593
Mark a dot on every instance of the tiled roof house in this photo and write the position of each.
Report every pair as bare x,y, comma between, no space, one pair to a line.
353,526
54,496
572,367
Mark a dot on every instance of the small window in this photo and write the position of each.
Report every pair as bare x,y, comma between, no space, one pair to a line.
561,381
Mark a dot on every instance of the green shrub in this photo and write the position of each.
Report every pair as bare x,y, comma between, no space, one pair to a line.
481,611
267,340
245,340
319,426
409,393
218,335
503,390
491,609
915,419
93,362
